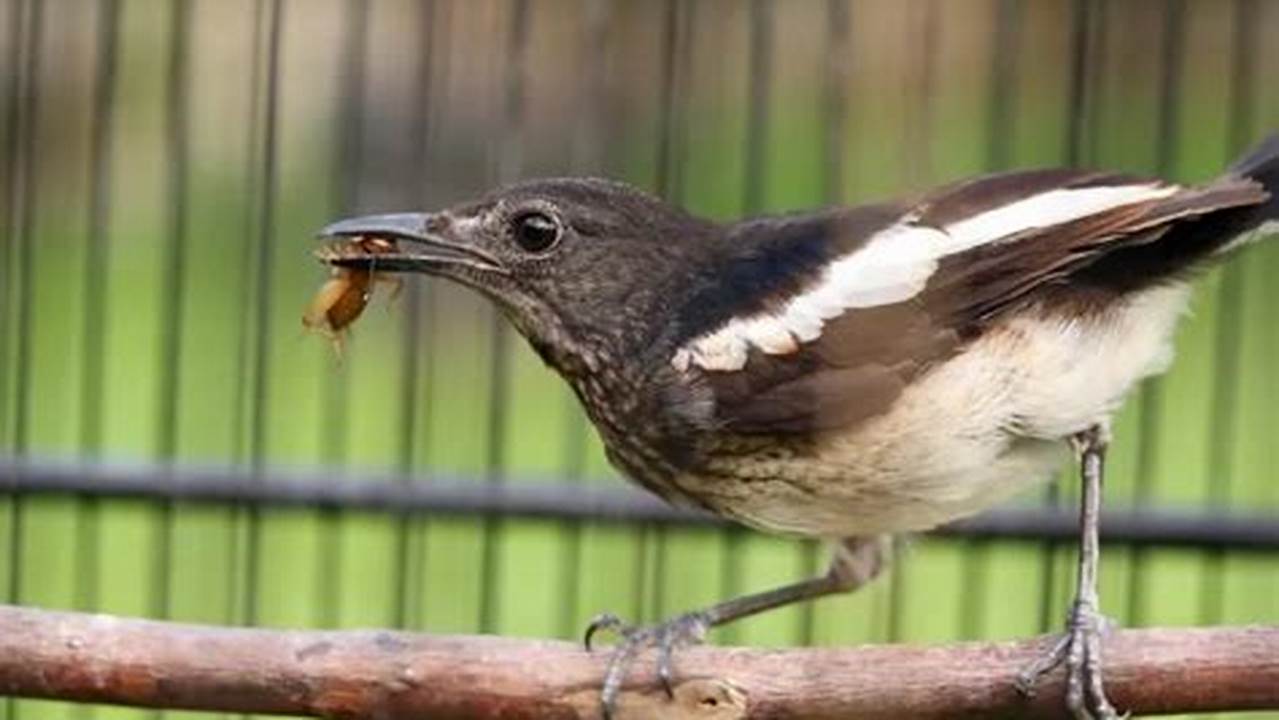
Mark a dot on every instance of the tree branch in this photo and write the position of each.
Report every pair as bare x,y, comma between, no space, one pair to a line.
349,674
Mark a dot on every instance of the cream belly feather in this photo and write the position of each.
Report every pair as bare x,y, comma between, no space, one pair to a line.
1011,401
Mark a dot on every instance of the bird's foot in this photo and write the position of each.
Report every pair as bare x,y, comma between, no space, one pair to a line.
680,631
1079,648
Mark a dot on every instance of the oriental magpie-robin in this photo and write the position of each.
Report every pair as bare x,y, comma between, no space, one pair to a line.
848,373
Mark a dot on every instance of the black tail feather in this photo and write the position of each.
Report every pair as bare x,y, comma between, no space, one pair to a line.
1261,158
1191,243
1261,164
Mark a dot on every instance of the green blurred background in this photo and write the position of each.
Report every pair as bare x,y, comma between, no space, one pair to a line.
165,168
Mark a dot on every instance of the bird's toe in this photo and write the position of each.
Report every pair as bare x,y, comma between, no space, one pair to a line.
665,637
1079,649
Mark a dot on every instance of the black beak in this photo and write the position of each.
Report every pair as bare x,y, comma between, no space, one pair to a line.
412,242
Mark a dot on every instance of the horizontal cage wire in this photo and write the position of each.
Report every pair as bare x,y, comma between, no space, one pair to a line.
174,445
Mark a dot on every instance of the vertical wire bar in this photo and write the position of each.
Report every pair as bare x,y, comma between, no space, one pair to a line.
408,545
974,597
260,311
94,307
588,151
1172,37
23,222
651,542
838,68
1230,330
22,212
919,167
9,198
242,514
919,124
835,78
335,387
1083,44
87,511
172,291
679,21
1089,151
1003,87
12,100
12,201
755,169
508,166
759,81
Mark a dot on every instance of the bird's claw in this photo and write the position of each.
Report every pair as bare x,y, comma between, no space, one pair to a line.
604,621
1079,648
680,631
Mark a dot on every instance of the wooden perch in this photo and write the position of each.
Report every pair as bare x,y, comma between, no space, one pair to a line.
354,674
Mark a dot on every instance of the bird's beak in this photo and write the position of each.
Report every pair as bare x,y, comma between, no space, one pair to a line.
403,242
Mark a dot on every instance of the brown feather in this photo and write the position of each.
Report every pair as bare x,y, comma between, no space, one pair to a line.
865,357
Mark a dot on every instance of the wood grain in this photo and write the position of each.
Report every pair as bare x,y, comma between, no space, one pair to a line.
377,674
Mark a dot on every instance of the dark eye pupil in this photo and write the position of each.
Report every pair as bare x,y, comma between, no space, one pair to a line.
536,232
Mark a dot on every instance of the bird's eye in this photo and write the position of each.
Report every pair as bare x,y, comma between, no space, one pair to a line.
535,232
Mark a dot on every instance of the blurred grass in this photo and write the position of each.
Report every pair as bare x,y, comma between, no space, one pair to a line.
321,568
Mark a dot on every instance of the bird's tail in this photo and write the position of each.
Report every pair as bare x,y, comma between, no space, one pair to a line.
1260,164
1192,242
1261,161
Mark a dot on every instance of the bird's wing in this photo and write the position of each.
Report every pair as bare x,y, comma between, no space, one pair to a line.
842,347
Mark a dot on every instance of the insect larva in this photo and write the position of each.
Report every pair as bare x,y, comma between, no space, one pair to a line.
346,293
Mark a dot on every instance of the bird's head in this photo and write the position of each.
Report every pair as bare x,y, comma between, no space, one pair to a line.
584,268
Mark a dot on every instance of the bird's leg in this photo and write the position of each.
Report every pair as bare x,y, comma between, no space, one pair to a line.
1080,647
856,561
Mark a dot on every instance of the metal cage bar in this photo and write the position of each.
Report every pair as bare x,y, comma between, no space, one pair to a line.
539,498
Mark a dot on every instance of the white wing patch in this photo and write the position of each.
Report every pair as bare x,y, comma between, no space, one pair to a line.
894,266
1047,209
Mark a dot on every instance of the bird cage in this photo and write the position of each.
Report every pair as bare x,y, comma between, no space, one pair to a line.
174,445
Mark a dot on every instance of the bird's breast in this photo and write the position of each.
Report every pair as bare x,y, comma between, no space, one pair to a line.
849,488
635,432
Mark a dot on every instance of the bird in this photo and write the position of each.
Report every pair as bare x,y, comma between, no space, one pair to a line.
850,373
